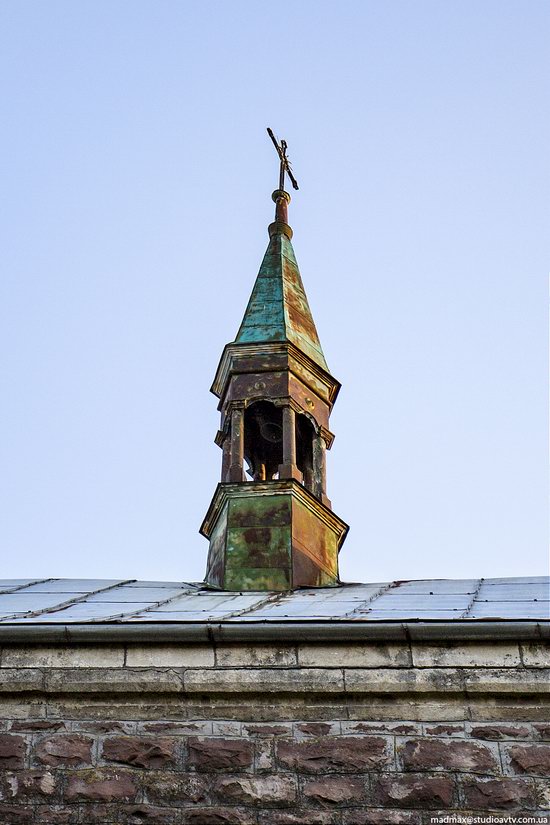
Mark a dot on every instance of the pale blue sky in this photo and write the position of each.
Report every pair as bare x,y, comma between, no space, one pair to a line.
136,196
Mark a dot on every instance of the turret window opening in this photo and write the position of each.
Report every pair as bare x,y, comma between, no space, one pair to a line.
263,440
305,433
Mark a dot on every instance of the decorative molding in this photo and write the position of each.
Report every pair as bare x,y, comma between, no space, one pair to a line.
327,437
226,491
233,353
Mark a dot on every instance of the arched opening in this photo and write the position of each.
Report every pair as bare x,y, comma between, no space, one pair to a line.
305,433
263,440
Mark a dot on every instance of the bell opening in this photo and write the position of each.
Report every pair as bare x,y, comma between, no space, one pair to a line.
263,440
305,433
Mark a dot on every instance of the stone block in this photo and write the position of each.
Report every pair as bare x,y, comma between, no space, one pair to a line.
528,759
268,730
270,707
140,752
206,754
542,731
226,728
57,814
273,790
16,707
264,759
334,754
12,751
354,654
37,725
298,816
113,680
32,656
67,750
522,681
466,654
263,680
132,706
447,754
335,790
33,785
101,786
173,655
317,729
93,813
494,732
257,655
396,680
16,814
219,816
142,814
410,791
497,794
444,730
536,655
169,787
508,708
542,793
104,727
17,680
180,728
420,706
394,728
377,816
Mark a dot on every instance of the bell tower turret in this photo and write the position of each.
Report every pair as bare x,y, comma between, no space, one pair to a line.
270,524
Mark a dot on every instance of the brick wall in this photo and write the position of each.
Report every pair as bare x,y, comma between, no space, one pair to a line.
264,734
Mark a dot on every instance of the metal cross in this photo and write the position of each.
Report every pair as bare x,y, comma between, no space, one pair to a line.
285,163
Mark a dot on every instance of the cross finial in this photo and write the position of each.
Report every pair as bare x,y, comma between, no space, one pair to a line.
285,163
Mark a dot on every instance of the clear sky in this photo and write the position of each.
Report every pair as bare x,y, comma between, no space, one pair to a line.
136,177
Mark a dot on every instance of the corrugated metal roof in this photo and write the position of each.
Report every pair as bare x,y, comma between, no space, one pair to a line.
80,601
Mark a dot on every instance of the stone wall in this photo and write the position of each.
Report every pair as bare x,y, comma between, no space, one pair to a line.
314,734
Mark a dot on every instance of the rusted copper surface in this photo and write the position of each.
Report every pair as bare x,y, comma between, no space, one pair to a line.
271,356
272,535
278,309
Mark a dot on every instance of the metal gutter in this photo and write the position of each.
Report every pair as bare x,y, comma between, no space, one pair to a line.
274,631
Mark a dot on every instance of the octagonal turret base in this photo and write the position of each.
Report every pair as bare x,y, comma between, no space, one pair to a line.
271,535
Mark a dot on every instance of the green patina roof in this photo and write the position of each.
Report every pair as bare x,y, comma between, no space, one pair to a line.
278,309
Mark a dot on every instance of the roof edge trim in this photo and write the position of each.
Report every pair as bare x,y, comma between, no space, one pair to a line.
208,632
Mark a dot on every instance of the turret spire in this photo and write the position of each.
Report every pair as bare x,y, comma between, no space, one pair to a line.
278,309
276,531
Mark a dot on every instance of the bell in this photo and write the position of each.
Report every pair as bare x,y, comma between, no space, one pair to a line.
270,431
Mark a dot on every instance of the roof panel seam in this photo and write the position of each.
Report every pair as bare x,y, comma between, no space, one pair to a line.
30,583
273,598
370,601
473,599
155,605
31,614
